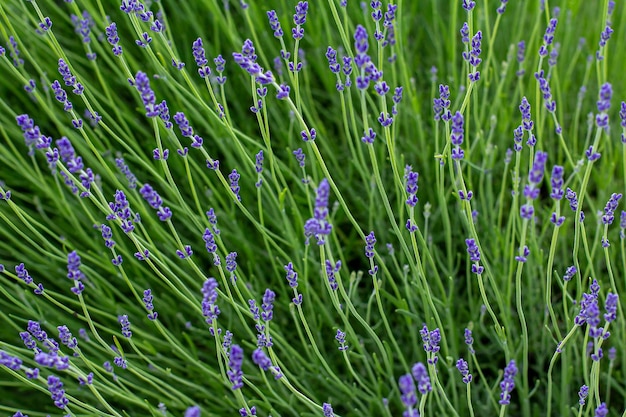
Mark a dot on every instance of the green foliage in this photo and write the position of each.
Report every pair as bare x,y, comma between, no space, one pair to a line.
420,280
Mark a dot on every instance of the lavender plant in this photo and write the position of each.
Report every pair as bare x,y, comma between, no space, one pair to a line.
265,208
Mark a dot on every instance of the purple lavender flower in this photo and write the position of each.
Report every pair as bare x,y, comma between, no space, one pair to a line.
604,103
431,341
144,40
210,310
283,92
154,199
318,226
235,375
35,329
120,362
589,311
275,24
147,302
125,324
465,36
209,240
28,340
292,276
531,190
11,362
327,409
268,305
83,26
569,273
410,178
142,83
502,8
233,178
231,265
55,386
15,52
66,337
474,56
330,273
609,209
582,394
469,340
548,37
331,56
408,395
556,182
368,136
508,383
52,360
61,95
370,240
611,307
463,368
23,274
601,411
200,58
524,108
340,337
70,80
113,39
261,359
469,5
521,54
193,411
441,105
554,54
299,19
456,137
544,86
474,254
74,273
300,157
420,373
361,45
605,35
124,169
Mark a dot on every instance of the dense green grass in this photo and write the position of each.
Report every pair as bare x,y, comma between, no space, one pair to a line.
372,310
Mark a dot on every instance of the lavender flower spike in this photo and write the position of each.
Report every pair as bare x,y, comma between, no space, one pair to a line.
508,384
318,226
407,394
235,375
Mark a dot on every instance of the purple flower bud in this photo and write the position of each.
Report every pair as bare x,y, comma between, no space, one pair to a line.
420,373
407,393
508,383
233,178
235,375
318,226
341,339
463,368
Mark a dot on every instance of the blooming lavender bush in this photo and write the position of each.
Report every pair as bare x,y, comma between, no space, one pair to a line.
325,208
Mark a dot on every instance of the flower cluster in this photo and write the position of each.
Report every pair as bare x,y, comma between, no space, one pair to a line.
431,340
210,310
147,302
318,226
74,273
235,374
508,383
557,193
154,199
113,39
474,254
531,190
